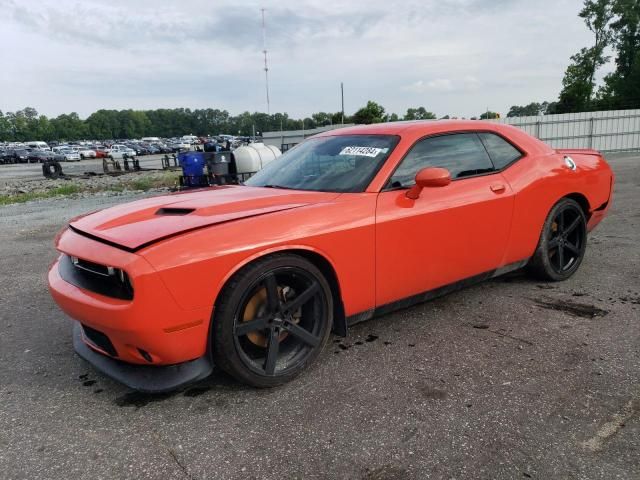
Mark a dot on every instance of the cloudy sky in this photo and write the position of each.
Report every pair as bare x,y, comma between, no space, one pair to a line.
454,57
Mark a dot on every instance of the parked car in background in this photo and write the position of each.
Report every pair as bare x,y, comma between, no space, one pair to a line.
154,149
70,155
101,151
119,151
6,156
86,152
190,139
179,146
19,156
40,156
38,145
139,149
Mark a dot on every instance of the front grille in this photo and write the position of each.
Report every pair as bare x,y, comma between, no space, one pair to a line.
100,340
95,278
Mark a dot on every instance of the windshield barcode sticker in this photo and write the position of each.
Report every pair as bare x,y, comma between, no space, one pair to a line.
363,151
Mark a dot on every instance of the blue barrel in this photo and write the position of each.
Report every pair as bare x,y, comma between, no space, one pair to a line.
192,163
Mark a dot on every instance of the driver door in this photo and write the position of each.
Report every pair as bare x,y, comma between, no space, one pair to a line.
449,233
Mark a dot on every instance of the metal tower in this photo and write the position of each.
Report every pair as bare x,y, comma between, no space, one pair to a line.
266,68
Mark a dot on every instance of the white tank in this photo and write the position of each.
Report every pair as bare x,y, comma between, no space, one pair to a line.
255,156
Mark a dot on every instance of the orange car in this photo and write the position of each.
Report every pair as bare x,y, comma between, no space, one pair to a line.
347,225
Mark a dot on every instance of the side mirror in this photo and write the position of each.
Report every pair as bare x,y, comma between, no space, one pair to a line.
429,177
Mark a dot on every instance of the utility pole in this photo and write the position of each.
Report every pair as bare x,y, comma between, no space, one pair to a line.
266,68
342,95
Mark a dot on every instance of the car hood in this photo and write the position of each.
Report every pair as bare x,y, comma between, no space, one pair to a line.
138,224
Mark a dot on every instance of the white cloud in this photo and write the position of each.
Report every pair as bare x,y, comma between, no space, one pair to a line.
452,56
435,85
467,83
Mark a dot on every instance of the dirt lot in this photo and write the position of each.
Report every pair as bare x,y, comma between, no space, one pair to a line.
508,379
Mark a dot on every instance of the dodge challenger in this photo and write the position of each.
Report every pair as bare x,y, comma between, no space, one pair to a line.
347,225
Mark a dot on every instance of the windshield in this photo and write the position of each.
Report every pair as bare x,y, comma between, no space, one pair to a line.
341,163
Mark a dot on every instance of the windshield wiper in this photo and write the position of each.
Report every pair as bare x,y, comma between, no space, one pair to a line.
278,186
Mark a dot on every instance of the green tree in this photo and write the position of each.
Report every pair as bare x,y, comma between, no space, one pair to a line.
322,119
419,113
371,113
42,129
532,109
68,127
5,128
489,115
579,80
622,87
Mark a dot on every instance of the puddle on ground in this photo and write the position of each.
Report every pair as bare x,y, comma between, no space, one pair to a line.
430,392
385,472
196,391
575,309
140,399
634,300
346,346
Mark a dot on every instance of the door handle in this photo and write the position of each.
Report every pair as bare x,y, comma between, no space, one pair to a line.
497,188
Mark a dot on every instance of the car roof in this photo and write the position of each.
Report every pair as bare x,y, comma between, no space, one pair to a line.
415,129
414,126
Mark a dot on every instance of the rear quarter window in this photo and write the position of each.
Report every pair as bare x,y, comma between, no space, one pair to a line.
502,153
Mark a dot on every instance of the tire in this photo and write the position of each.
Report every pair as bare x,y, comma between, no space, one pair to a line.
562,243
51,169
265,339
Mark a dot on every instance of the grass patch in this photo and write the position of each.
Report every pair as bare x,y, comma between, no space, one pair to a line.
167,180
67,190
143,184
146,183
54,192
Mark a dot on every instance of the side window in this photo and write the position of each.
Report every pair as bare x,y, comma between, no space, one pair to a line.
502,153
462,154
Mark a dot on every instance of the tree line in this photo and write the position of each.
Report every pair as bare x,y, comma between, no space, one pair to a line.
27,124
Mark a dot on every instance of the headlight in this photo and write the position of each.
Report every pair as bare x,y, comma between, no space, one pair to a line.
113,274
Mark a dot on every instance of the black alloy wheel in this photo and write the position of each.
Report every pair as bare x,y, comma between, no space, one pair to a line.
563,242
272,320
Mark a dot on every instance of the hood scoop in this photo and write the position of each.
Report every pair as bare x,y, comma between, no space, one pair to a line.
174,211
139,224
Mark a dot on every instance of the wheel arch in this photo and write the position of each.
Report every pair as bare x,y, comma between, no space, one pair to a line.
581,200
319,260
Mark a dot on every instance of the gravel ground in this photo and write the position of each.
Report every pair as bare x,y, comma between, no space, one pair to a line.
33,171
508,379
87,186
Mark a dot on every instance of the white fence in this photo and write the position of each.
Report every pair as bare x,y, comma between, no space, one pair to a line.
615,130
